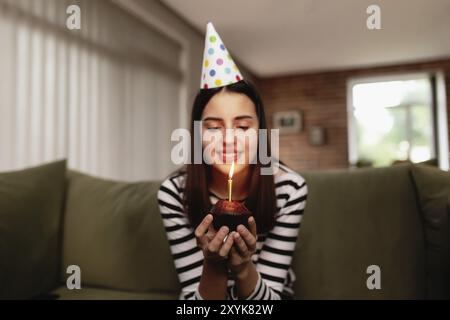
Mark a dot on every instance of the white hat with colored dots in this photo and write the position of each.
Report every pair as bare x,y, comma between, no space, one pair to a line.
219,68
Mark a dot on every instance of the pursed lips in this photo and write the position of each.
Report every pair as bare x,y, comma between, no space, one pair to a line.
230,155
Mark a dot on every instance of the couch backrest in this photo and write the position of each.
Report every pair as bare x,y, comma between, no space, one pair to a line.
114,233
354,220
31,203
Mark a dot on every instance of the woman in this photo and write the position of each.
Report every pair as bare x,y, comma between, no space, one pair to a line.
253,263
246,263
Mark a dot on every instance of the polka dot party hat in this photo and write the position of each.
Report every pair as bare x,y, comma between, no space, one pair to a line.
219,68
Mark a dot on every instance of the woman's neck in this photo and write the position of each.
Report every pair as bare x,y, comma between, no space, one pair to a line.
241,183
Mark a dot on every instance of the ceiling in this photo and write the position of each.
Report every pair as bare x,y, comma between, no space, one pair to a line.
274,38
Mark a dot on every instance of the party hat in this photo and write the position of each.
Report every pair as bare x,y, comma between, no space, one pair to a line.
219,68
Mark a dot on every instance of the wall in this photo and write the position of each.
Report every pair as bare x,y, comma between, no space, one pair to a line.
159,16
323,99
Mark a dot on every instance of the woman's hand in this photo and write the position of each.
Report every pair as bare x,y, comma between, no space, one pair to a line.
212,242
243,249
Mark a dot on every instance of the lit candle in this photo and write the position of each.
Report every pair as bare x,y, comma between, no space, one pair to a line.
230,181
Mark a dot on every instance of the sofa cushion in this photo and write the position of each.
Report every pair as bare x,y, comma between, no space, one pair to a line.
433,187
31,203
113,231
355,219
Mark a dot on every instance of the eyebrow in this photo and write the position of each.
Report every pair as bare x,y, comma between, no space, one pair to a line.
220,119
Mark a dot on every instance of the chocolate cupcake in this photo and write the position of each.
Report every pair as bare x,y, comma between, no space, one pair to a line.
230,214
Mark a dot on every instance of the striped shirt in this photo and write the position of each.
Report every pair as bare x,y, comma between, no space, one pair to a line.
274,249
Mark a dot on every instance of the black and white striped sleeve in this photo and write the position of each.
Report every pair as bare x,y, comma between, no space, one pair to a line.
188,257
275,257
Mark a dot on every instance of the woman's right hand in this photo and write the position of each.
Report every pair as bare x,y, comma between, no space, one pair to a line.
212,242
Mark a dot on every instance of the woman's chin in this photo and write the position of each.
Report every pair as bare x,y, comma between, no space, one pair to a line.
225,168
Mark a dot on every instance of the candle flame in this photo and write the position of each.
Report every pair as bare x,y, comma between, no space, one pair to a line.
230,174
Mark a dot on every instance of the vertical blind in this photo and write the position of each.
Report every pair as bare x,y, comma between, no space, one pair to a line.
106,97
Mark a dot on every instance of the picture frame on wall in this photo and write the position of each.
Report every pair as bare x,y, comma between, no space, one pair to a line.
288,122
317,136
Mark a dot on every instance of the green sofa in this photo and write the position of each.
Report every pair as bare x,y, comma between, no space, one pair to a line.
396,218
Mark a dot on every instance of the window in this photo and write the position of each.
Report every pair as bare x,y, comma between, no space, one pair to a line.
392,119
104,97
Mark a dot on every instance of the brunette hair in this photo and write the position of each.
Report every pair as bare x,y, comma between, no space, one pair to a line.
261,200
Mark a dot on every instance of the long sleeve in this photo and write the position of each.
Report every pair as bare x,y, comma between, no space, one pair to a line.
276,254
188,258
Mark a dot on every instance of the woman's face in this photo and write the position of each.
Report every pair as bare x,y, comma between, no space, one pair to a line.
230,110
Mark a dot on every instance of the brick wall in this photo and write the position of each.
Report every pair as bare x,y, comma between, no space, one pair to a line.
323,99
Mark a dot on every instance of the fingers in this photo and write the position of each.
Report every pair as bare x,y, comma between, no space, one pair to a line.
211,232
215,244
233,254
202,227
241,245
248,237
235,258
227,245
252,226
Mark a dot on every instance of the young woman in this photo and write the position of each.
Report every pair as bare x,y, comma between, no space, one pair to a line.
253,263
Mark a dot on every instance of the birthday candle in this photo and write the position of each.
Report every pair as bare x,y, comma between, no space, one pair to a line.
230,181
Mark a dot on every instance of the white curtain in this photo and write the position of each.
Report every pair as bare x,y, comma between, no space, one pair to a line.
106,97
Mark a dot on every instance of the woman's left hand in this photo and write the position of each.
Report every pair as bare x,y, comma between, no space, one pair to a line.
243,248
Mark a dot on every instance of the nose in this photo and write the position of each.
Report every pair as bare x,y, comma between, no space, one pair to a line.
229,142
